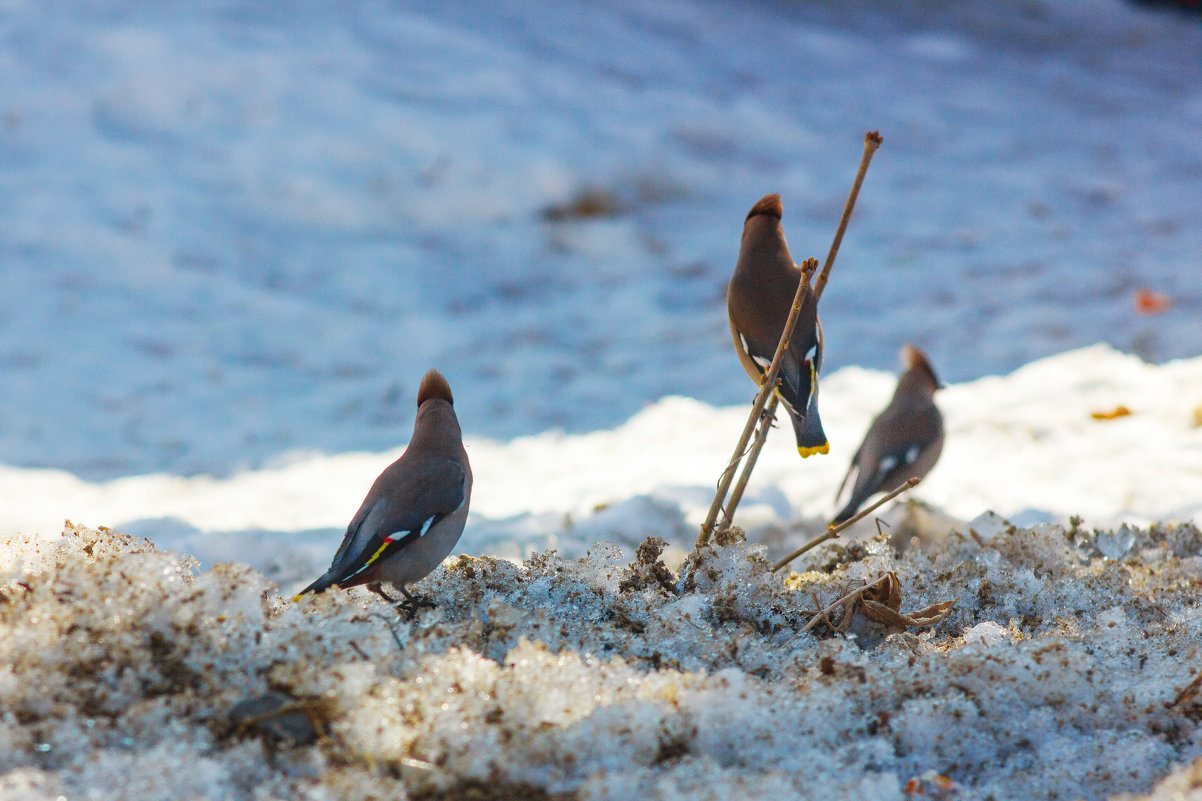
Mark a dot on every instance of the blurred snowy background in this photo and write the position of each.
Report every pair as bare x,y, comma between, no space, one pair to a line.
234,231
234,235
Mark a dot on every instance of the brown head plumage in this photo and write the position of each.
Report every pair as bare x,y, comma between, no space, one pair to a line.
768,204
434,387
914,359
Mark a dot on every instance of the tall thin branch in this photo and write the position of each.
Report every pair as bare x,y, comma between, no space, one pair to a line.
872,140
767,385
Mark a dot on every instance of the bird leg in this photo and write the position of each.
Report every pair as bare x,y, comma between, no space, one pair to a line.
416,600
768,417
409,605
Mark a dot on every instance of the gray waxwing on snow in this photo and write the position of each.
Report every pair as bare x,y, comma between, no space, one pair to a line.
758,301
415,511
904,440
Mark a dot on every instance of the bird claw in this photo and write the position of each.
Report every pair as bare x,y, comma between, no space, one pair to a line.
412,603
408,605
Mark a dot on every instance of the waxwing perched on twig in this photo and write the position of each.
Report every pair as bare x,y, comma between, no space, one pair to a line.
414,512
758,301
904,440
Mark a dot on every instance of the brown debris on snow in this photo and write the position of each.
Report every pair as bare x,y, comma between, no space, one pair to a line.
126,671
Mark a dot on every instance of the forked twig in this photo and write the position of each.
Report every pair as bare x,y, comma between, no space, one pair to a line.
833,531
767,385
872,140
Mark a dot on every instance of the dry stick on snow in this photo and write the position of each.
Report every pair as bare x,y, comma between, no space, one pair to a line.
872,140
1188,692
767,385
833,531
851,596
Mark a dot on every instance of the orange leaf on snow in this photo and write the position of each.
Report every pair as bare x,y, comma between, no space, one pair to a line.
1149,302
1117,411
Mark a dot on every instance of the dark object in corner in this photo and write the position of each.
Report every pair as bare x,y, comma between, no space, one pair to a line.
1185,6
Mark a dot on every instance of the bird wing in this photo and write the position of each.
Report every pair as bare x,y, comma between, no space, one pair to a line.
885,468
798,370
392,522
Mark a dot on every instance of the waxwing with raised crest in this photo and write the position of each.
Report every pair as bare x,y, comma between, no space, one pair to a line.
903,442
415,511
758,301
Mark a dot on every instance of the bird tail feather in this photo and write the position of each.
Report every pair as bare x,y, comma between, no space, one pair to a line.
810,437
321,585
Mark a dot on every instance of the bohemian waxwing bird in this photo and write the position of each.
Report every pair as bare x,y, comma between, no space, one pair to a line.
414,512
904,440
758,301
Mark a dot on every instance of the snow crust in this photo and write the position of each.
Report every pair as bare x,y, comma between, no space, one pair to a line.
1059,673
1029,446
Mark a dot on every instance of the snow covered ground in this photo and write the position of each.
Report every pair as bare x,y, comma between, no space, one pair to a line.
1026,445
234,236
1057,673
1067,667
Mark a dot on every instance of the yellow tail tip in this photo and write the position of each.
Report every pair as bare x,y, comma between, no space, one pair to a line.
805,452
297,597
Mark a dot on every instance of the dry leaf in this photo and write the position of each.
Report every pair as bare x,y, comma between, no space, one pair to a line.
1148,302
930,615
1117,411
927,616
880,602
882,614
888,593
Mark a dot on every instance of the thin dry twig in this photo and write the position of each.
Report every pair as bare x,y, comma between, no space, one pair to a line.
761,436
821,613
872,140
880,602
767,386
1188,692
388,621
851,596
833,530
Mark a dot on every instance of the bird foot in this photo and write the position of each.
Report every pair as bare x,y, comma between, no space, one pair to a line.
412,603
408,605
